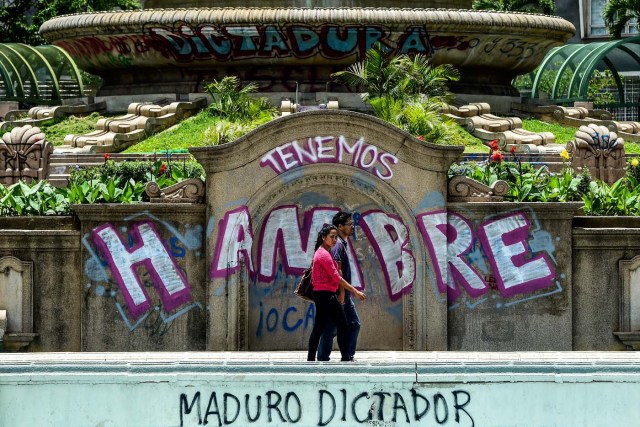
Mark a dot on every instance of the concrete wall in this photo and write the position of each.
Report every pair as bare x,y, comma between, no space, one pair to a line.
52,246
268,207
599,245
464,276
570,10
272,389
143,284
515,317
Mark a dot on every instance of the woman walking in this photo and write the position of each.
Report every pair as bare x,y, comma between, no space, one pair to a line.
326,280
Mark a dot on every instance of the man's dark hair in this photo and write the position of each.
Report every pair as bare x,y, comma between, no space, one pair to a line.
341,218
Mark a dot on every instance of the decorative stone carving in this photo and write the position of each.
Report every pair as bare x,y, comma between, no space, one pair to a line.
464,189
24,154
629,273
288,107
599,150
187,191
16,287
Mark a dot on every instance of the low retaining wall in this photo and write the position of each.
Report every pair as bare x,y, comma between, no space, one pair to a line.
266,389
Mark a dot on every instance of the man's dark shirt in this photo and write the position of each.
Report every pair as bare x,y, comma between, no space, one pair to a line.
339,253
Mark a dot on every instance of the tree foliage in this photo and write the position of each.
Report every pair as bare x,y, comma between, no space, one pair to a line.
618,13
21,19
404,90
532,6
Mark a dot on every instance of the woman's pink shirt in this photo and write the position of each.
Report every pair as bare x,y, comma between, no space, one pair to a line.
325,275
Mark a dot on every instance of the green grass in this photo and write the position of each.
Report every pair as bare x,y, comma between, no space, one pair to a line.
191,133
563,134
188,133
471,144
631,147
72,125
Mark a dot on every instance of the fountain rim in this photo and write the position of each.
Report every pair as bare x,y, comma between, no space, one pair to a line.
133,21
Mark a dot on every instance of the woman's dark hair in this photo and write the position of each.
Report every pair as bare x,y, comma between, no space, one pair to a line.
324,232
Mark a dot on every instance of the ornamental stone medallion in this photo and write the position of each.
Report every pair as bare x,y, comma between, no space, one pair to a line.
269,193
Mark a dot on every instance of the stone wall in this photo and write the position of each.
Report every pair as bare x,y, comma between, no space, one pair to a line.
51,248
143,285
465,276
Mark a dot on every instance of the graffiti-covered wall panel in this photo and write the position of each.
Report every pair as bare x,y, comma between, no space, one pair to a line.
143,269
511,275
270,192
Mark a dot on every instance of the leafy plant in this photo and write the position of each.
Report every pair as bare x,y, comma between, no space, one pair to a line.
406,91
124,182
599,87
618,13
235,103
37,198
533,6
526,183
20,19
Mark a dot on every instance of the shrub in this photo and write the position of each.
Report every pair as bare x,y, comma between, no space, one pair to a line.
124,182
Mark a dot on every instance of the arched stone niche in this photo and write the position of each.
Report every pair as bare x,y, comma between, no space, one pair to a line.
269,192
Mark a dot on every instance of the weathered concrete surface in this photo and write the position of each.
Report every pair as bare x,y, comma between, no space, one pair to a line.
52,245
599,244
263,186
269,388
176,50
522,321
155,242
438,275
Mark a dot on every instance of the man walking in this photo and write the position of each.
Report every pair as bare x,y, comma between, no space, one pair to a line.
344,222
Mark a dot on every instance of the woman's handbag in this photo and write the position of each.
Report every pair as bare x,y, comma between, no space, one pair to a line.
305,288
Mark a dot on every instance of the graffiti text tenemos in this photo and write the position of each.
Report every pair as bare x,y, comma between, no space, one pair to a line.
330,149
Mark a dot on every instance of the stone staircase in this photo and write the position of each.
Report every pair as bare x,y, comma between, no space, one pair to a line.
40,115
581,116
113,135
477,119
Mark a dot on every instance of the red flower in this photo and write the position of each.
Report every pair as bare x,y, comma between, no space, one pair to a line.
497,157
421,138
494,145
162,169
513,149
106,156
